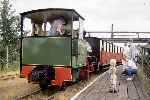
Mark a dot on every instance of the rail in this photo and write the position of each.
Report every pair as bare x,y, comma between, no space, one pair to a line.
7,77
27,95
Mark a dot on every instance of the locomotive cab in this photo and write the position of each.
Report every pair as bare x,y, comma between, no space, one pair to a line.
43,21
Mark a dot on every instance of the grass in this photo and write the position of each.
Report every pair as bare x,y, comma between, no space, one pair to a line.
11,70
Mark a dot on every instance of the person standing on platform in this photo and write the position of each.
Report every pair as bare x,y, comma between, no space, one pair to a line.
132,69
134,53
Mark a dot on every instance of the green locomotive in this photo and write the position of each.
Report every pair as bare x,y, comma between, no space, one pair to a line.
51,55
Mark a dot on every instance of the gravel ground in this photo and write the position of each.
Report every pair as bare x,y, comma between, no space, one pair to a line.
12,88
72,90
66,94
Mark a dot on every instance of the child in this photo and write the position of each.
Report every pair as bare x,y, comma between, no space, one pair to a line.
113,76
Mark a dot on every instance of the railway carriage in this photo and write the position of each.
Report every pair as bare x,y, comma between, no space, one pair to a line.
56,59
103,51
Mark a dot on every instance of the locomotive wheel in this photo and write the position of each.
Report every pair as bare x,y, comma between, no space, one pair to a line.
64,86
43,84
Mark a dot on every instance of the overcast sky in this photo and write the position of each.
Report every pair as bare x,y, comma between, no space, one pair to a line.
126,15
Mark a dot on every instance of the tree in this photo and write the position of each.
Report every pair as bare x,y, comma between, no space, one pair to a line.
9,29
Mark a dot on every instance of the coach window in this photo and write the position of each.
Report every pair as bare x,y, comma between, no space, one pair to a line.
105,46
102,45
112,48
117,49
120,49
108,47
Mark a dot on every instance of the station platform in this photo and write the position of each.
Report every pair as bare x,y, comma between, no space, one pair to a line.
99,89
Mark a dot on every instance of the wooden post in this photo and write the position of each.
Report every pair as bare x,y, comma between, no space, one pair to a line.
112,34
138,35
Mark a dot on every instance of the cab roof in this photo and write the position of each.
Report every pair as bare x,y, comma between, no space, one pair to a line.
50,14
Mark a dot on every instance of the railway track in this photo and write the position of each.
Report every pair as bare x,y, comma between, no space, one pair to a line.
6,77
47,94
28,95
